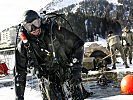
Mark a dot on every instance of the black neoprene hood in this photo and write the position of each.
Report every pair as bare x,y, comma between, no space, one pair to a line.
29,16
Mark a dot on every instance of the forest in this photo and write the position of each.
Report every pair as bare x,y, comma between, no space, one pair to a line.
97,17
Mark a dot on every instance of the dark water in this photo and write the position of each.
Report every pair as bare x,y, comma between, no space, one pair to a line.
99,91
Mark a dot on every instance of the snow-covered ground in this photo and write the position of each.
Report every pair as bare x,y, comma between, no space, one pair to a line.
100,41
7,93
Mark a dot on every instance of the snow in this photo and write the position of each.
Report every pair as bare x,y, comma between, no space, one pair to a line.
121,97
115,2
132,30
112,1
8,93
75,8
65,3
99,42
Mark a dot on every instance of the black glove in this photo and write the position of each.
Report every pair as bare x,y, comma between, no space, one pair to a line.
128,44
34,69
75,78
38,72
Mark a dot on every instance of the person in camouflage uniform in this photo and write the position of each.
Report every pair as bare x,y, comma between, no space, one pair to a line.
113,44
127,42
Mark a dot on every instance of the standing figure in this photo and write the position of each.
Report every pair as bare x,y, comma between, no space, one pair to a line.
54,54
127,42
113,44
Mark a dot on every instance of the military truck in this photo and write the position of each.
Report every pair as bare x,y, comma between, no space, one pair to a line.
95,57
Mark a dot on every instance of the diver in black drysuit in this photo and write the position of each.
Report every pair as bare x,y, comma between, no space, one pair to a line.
56,59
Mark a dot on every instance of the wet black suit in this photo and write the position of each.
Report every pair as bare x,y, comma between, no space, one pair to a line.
39,54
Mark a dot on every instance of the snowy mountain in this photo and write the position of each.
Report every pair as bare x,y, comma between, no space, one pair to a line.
59,4
100,15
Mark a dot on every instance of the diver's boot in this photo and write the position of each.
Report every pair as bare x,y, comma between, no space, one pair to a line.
19,88
130,61
86,94
126,66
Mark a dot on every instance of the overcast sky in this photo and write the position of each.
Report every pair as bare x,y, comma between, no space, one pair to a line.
11,11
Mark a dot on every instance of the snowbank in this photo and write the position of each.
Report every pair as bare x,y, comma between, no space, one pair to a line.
100,41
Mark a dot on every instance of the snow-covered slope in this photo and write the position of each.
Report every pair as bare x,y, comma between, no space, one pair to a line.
58,4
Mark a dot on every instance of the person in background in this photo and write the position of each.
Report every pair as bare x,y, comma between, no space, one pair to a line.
55,57
127,42
113,44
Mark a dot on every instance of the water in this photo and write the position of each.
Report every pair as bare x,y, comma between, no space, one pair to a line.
99,91
111,88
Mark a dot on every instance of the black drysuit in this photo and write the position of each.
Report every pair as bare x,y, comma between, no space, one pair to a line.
55,63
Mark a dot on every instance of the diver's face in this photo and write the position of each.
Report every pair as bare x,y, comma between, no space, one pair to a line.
33,27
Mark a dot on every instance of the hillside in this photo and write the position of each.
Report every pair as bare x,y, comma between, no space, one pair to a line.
95,16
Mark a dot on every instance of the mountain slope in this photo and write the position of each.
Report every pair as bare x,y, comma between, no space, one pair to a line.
59,4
